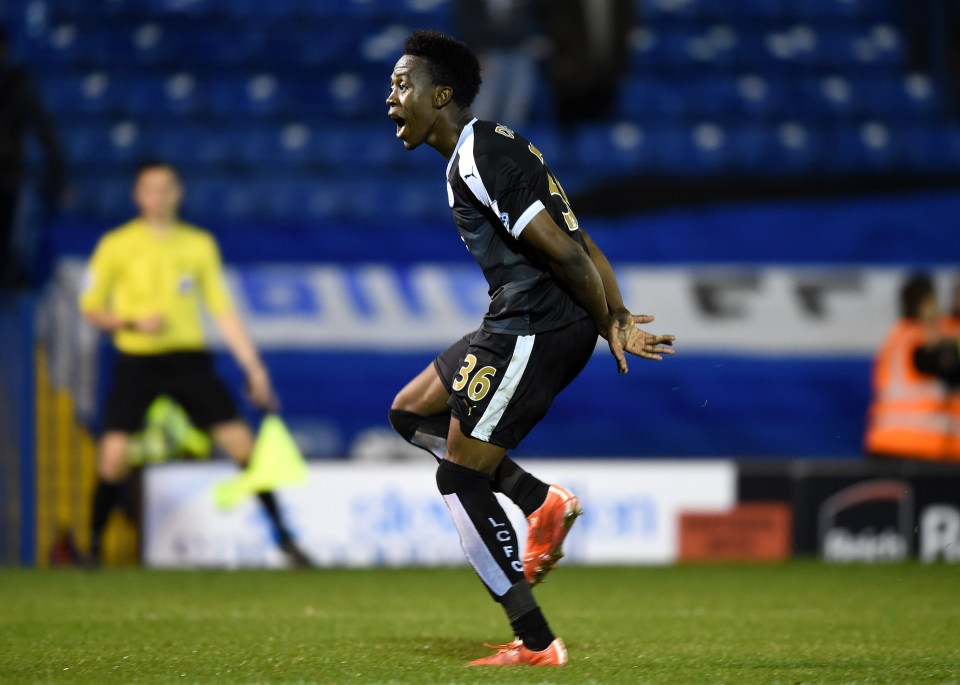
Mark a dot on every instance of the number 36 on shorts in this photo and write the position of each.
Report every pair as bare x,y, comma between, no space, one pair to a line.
479,382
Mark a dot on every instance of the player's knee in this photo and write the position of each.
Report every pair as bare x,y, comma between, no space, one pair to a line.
405,423
453,478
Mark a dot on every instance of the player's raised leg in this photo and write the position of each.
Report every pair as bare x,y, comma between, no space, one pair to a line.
420,413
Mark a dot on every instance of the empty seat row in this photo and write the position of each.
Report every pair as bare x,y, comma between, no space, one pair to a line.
189,45
293,145
787,146
723,45
759,94
220,198
350,95
344,94
770,9
292,10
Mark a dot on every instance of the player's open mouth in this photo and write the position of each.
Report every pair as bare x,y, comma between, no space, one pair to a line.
401,124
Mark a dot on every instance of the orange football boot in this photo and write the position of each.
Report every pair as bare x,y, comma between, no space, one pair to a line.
547,528
515,654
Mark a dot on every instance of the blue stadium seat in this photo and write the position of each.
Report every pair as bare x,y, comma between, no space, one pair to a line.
121,144
844,9
304,48
251,95
144,44
866,148
931,148
762,96
910,98
746,9
71,94
661,10
303,198
608,149
256,10
288,146
833,95
105,197
219,198
218,47
160,95
195,147
798,149
751,147
63,44
652,97
713,96
709,148
195,8
348,94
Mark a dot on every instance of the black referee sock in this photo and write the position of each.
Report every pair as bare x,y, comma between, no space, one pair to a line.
521,487
269,503
106,496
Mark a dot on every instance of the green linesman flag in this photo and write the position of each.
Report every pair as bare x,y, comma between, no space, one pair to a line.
276,462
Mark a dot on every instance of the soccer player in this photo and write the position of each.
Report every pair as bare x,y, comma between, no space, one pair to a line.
552,292
145,284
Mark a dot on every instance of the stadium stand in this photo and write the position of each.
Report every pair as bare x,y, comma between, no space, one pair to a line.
235,91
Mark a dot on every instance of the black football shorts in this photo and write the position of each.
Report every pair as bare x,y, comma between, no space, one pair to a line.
187,377
501,385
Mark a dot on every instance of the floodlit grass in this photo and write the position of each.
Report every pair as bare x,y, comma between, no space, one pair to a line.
802,622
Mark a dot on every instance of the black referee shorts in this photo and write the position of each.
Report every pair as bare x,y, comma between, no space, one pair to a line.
187,377
502,385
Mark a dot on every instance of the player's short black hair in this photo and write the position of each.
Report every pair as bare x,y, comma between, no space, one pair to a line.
450,62
913,292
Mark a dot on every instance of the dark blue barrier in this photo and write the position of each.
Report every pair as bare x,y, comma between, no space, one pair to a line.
687,406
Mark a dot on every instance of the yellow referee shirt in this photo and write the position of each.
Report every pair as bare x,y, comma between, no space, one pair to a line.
136,272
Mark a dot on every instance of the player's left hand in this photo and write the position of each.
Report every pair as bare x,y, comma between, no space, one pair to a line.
625,336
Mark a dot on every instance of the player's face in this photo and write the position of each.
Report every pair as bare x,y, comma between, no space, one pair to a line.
157,193
410,103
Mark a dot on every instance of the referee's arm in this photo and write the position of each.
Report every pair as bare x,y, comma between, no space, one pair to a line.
243,351
107,321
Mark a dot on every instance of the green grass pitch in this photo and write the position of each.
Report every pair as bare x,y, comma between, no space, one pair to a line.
800,622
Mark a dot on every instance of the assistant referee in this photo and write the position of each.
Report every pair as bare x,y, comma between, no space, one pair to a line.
147,283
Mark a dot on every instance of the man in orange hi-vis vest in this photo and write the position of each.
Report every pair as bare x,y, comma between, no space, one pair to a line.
915,411
950,357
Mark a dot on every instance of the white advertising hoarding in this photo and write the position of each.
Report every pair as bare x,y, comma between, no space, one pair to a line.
390,514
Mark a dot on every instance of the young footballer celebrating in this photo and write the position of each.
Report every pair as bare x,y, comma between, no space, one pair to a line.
552,292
